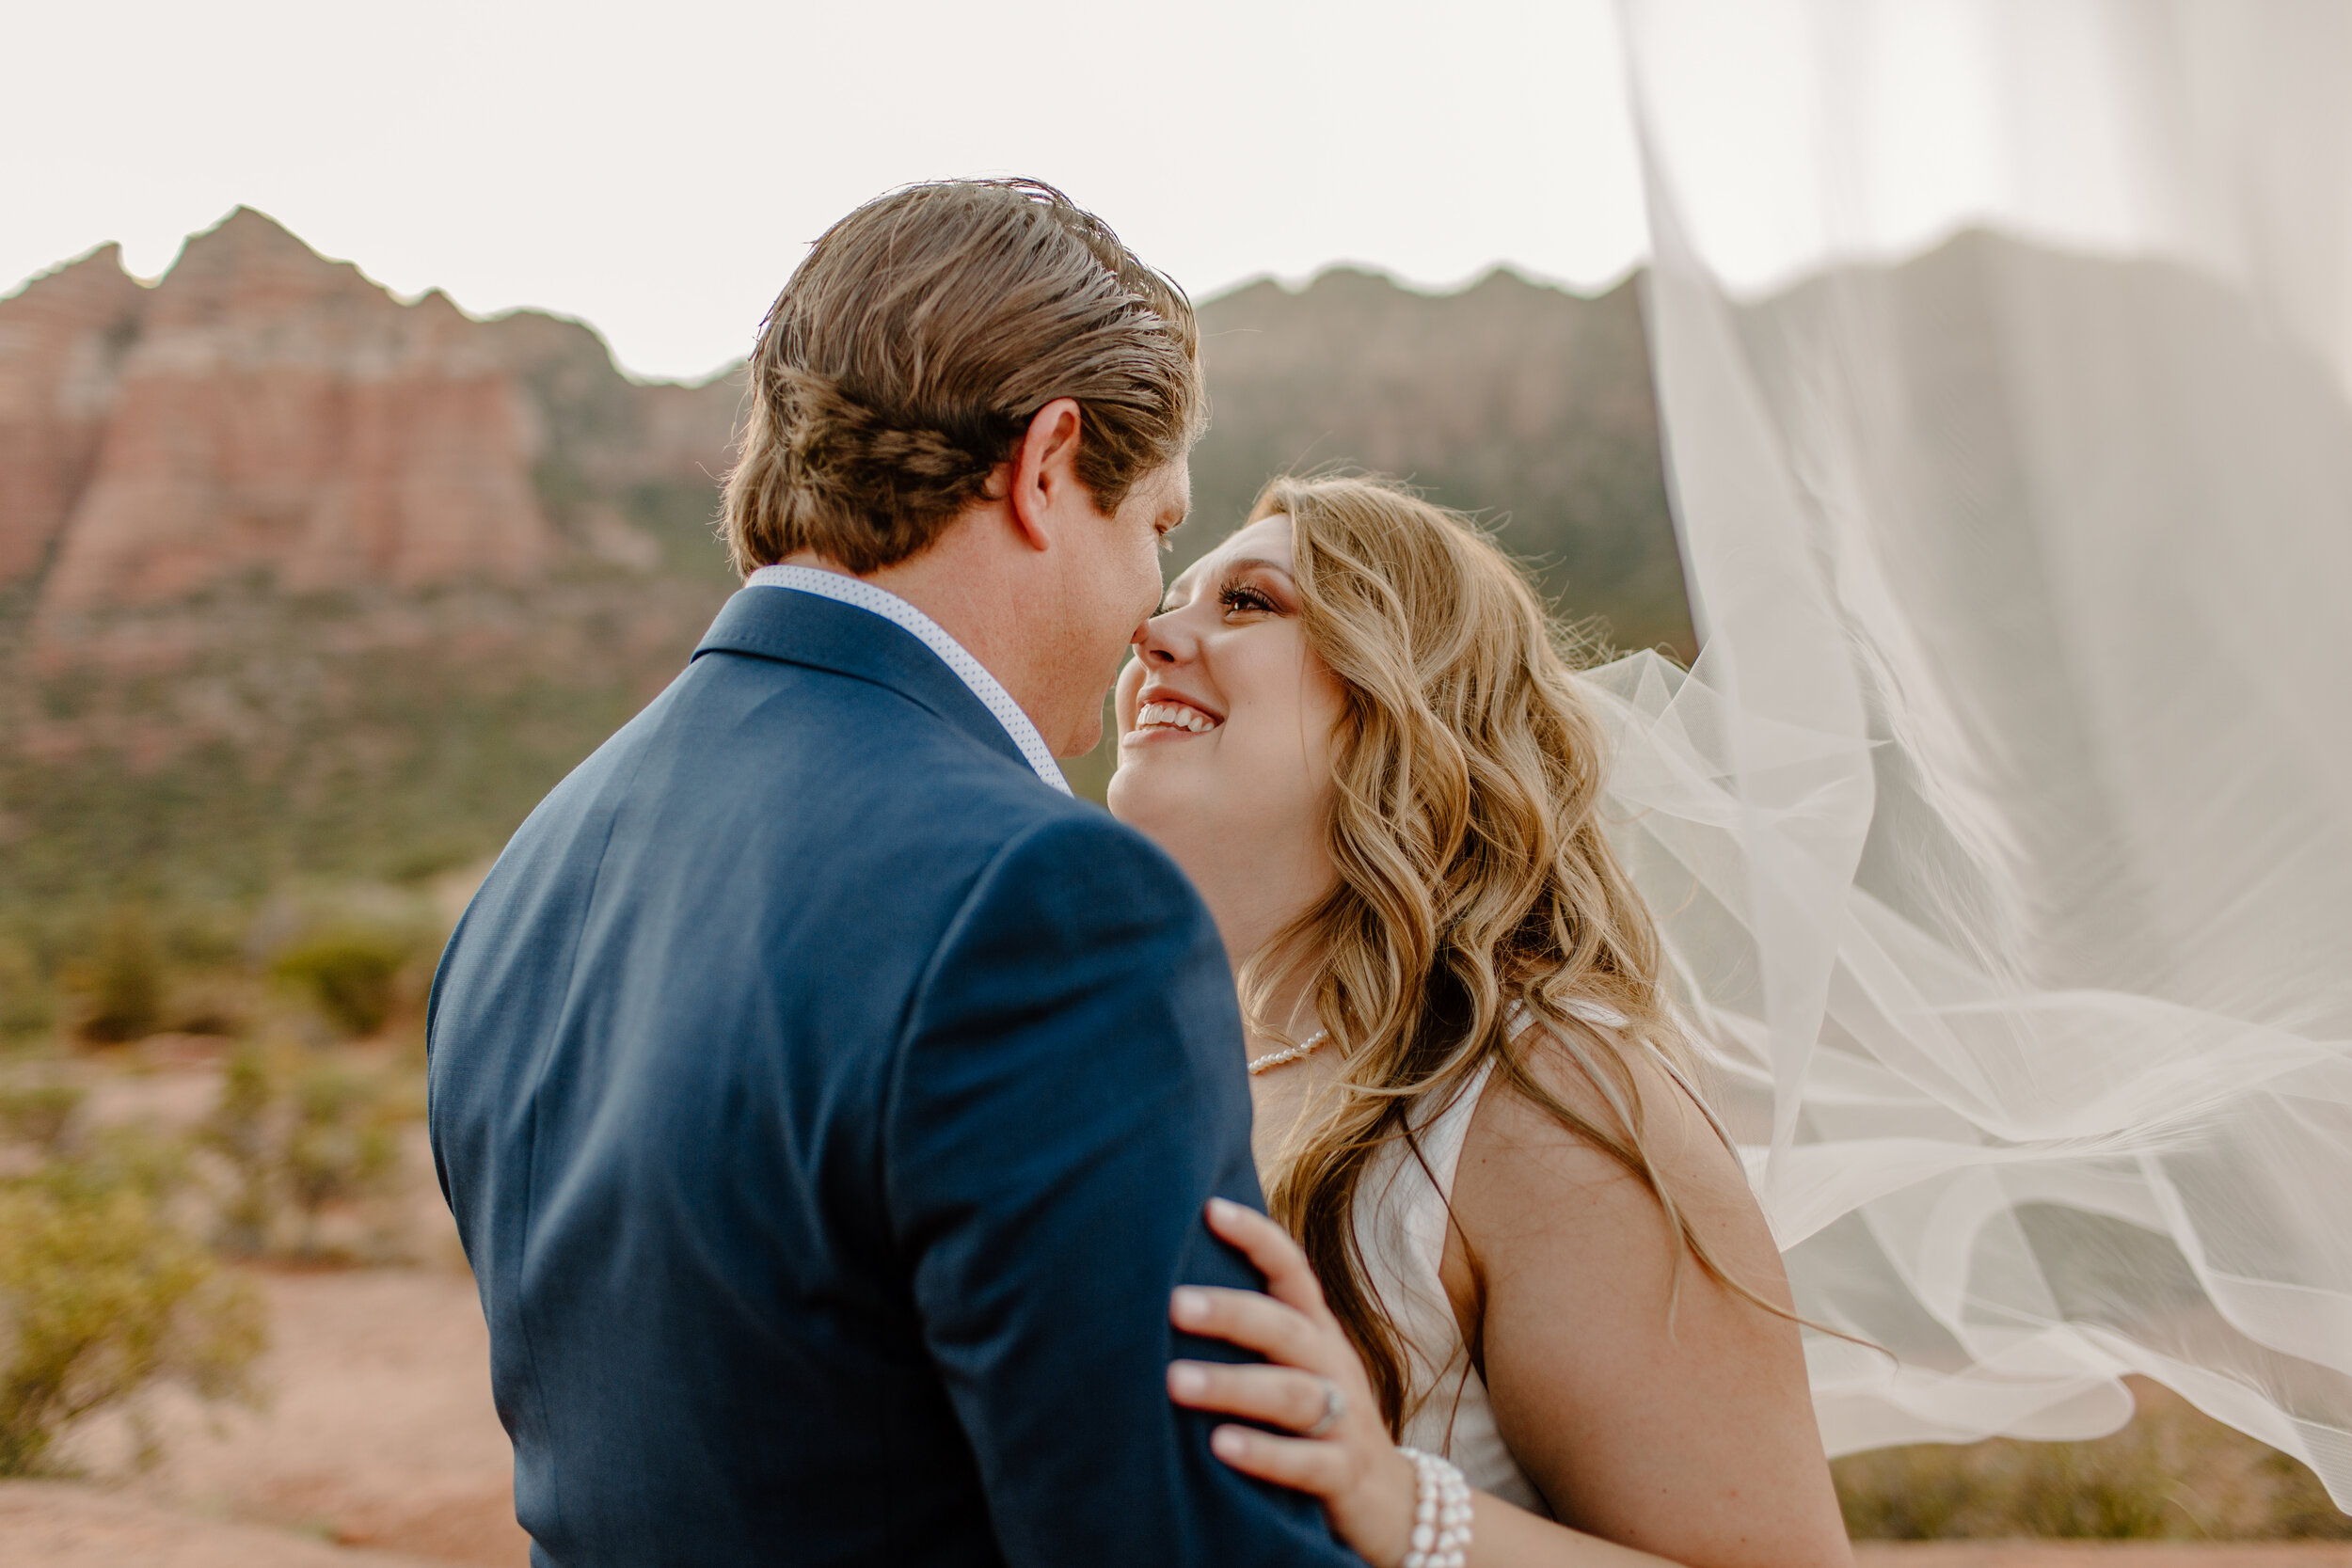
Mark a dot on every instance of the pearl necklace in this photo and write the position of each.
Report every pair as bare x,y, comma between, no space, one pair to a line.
1273,1059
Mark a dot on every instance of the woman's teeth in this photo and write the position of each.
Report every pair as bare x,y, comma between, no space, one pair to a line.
1173,716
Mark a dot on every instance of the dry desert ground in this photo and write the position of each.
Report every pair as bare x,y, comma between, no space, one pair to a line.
377,1444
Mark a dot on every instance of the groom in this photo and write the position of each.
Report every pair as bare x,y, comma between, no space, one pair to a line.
827,1101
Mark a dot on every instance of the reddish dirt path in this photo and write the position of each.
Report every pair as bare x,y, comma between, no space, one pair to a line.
378,1432
54,1525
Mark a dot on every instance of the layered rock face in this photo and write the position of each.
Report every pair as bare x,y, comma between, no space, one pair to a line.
263,416
62,341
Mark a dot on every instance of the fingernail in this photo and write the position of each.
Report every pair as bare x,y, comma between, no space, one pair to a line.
1189,1307
1223,1207
1227,1442
1187,1379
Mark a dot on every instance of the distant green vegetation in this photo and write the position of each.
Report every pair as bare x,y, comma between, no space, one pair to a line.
107,856
388,766
2173,1474
104,1290
300,1133
1525,405
114,1235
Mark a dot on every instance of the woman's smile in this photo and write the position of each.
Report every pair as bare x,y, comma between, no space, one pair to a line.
1161,715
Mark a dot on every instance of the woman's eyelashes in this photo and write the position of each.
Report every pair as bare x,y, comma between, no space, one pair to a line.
1238,595
1234,595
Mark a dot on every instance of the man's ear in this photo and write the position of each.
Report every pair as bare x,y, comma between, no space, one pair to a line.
1045,469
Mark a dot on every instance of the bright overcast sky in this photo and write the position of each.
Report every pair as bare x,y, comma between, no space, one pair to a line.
657,171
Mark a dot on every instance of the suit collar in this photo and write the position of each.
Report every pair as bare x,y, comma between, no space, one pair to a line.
824,634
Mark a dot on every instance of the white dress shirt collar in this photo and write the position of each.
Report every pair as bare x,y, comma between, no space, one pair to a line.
844,589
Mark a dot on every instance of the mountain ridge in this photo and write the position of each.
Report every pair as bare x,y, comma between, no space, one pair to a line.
300,578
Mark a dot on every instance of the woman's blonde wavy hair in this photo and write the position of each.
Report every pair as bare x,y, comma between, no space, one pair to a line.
1473,874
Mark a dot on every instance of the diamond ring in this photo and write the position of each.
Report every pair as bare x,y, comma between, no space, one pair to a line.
1334,1406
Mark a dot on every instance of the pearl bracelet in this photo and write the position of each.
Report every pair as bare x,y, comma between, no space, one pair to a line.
1441,1514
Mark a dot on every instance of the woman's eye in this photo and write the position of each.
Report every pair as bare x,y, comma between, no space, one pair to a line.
1240,595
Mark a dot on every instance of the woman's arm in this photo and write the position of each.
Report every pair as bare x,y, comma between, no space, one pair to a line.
1688,1441
1366,1485
1651,1406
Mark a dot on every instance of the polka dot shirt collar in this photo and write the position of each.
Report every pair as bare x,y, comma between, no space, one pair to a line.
843,589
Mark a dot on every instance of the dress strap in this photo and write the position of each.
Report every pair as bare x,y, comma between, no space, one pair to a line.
1440,1136
1601,1017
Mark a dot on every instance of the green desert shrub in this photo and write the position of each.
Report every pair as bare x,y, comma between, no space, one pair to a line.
422,862
244,1132
102,1296
122,982
38,1114
28,1004
298,1139
218,1001
343,1144
351,973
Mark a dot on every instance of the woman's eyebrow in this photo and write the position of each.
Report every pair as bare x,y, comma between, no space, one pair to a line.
1245,562
1185,579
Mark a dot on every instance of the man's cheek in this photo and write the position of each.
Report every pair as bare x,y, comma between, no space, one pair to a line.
1124,694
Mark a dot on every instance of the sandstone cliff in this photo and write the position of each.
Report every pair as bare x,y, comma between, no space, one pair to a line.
265,414
62,341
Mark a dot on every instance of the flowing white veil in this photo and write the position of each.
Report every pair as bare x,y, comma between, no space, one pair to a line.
2002,835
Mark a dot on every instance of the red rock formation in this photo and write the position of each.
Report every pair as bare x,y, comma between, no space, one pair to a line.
61,341
280,415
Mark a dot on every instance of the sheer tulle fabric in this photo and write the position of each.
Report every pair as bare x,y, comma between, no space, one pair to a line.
2002,835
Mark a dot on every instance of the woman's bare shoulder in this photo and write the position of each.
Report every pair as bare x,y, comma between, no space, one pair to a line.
1622,1093
1650,1403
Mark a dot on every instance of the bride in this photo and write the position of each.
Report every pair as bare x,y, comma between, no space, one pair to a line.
1521,1242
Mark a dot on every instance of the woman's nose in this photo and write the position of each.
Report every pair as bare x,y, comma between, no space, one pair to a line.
1159,641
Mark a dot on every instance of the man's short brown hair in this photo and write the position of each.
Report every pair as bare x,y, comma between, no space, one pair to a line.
915,344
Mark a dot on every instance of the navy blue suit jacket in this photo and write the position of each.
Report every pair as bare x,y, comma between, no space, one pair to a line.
827,1107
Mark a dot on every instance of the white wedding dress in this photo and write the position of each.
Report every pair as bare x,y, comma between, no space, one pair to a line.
1401,1211
1402,1206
